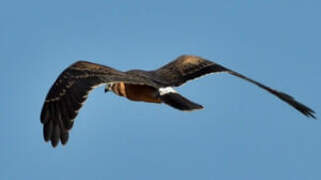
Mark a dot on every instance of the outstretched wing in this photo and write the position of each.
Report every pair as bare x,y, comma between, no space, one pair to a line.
70,91
186,68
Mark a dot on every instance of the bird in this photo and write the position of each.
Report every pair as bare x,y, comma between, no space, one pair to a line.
70,90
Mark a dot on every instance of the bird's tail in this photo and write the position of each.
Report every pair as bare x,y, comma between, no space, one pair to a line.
177,101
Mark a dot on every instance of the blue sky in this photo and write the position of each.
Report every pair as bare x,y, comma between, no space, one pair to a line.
243,132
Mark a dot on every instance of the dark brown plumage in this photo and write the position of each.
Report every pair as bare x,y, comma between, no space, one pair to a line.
71,89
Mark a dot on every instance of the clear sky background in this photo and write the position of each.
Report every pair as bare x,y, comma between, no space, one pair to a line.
243,132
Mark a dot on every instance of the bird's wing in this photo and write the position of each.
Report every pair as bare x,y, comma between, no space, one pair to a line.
70,91
186,68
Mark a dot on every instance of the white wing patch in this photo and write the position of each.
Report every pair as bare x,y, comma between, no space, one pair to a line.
166,90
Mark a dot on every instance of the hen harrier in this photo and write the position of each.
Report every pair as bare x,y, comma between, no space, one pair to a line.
71,89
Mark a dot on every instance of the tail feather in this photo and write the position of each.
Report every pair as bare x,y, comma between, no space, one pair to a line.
177,101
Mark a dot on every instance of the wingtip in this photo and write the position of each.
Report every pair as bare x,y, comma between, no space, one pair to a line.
311,114
307,112
54,143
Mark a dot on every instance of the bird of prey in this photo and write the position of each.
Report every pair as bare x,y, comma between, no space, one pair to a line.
73,85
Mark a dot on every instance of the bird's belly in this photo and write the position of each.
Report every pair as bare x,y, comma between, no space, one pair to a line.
142,93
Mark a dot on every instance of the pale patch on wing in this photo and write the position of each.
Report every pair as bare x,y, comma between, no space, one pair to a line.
191,60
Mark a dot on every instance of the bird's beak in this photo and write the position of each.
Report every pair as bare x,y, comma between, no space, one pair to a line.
106,89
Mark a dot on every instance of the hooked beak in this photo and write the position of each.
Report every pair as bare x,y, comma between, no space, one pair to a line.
108,87
106,90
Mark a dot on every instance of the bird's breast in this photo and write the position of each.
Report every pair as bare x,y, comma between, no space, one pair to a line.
137,92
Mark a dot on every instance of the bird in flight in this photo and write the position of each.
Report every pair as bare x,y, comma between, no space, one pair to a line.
71,89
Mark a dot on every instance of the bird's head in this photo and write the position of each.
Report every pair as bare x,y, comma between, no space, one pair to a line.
108,87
